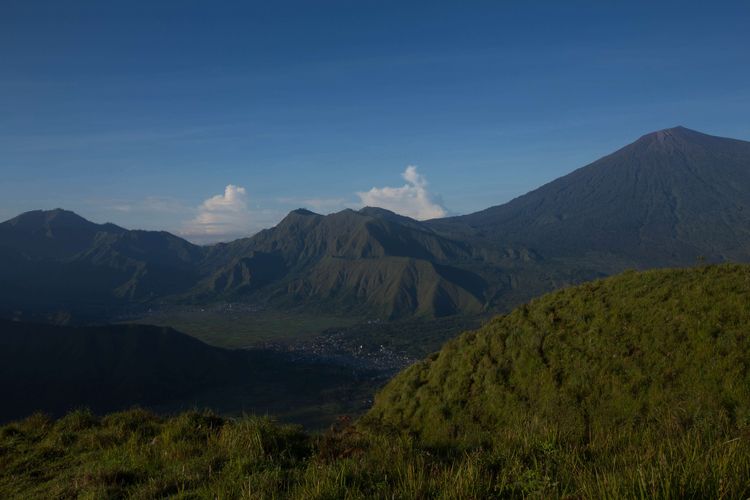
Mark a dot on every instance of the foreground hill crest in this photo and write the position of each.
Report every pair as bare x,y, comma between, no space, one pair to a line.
636,351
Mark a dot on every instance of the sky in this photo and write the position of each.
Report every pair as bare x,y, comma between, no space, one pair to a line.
212,120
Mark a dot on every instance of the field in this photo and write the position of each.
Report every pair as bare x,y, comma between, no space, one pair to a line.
236,326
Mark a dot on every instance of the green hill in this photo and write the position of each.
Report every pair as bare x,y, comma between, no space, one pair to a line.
631,387
661,350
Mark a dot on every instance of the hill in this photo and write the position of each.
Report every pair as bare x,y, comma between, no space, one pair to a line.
633,386
660,351
664,200
55,369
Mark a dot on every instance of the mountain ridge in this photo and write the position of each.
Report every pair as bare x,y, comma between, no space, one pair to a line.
672,197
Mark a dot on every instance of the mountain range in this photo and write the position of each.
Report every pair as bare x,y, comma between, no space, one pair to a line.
671,198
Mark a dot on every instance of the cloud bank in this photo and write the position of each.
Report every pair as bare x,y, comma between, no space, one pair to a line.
222,217
230,215
412,199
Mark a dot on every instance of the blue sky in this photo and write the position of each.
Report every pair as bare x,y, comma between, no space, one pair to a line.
143,113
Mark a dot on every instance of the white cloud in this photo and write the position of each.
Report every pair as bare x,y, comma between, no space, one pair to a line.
221,217
412,199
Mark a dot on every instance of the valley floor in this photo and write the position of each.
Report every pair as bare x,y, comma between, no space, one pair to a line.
373,351
365,343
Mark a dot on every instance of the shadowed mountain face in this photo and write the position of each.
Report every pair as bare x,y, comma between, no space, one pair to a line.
369,262
56,259
666,199
56,369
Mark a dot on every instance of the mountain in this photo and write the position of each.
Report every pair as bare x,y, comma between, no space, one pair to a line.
665,351
667,199
370,261
57,260
56,369
671,198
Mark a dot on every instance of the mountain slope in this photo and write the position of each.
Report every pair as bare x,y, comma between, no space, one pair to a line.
636,351
666,199
56,259
370,261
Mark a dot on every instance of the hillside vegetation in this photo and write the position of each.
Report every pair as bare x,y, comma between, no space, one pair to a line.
136,454
368,261
663,350
633,386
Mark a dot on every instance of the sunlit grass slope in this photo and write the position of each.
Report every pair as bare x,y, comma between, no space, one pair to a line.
631,387
665,351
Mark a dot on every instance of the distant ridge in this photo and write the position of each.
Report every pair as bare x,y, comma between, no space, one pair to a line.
369,261
56,260
673,197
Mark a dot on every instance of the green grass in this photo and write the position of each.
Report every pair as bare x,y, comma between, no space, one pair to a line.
241,329
136,454
637,351
636,386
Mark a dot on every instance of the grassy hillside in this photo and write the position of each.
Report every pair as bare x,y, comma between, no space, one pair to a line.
661,351
135,454
633,386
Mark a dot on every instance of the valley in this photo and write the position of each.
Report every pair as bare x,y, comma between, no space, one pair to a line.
372,292
508,410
